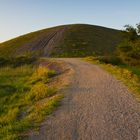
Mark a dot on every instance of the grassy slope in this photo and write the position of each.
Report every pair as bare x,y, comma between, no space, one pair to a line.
9,48
21,92
79,40
84,40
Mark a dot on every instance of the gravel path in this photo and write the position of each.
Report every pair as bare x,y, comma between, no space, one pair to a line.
96,107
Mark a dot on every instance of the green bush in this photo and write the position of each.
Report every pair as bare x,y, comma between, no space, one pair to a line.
114,60
129,49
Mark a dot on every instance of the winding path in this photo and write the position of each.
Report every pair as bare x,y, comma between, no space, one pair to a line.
96,107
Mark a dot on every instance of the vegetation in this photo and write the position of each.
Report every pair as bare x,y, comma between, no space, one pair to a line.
129,75
25,95
25,98
11,48
114,60
125,63
17,61
76,41
85,40
129,49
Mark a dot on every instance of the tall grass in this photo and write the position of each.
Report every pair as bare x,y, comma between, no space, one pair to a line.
25,99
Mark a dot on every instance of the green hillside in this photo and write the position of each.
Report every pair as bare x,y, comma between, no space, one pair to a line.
64,41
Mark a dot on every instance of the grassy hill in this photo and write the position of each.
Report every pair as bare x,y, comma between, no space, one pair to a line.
64,41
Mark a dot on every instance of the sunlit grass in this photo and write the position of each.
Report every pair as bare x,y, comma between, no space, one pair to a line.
126,76
129,75
25,99
39,91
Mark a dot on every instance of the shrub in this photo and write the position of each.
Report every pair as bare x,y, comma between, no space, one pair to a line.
114,60
129,49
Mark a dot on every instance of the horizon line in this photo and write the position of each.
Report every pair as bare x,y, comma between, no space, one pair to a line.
14,37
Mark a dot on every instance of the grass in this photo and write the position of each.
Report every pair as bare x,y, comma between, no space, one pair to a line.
129,75
25,99
79,40
10,47
84,40
134,69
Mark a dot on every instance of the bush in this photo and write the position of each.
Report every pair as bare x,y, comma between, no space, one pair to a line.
3,61
129,49
114,60
17,61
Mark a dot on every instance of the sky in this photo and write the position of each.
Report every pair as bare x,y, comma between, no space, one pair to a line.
18,17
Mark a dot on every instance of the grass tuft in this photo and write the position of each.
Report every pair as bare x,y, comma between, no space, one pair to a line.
40,91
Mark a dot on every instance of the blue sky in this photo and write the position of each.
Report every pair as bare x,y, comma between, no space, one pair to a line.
18,17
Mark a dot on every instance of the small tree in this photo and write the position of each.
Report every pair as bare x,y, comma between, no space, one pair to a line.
129,49
130,33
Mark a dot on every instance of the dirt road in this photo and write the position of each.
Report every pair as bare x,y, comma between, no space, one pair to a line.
96,107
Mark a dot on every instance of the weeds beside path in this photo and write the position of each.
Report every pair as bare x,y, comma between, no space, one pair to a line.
27,95
129,75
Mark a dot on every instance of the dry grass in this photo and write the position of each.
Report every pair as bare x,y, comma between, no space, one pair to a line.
25,99
129,75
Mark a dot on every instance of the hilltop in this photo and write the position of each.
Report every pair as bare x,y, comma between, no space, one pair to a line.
76,40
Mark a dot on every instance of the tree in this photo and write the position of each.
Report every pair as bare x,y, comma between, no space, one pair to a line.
130,33
129,49
138,28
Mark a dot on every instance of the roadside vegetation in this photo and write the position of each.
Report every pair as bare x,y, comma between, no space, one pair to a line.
125,62
25,97
129,75
129,49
